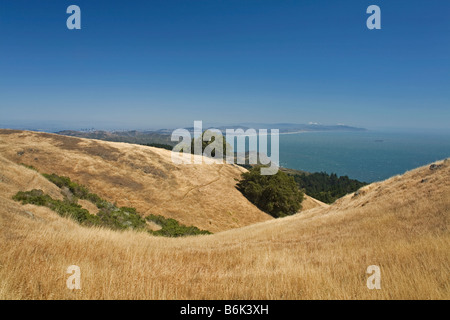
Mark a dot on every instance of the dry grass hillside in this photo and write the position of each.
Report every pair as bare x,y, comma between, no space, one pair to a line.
400,225
310,203
138,176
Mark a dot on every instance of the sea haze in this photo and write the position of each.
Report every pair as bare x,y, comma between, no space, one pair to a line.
367,156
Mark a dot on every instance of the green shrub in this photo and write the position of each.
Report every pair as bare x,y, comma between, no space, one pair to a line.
277,194
159,145
172,228
222,153
109,215
77,190
63,208
28,166
34,196
121,218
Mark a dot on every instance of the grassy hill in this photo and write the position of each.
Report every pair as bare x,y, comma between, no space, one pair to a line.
400,224
137,176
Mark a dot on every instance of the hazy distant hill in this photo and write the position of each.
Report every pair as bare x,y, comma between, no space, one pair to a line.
133,136
298,127
163,135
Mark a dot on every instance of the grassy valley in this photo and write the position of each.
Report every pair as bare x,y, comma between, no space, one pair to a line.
322,252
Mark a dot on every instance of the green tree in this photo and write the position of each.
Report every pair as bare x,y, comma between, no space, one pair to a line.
326,187
277,194
222,153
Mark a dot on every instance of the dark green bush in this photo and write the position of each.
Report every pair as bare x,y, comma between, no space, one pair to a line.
109,215
121,218
28,166
222,153
159,145
63,208
172,228
77,190
277,194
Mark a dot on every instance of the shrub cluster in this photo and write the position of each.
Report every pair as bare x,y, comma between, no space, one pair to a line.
109,215
159,145
221,152
172,228
77,190
63,208
28,166
277,194
327,187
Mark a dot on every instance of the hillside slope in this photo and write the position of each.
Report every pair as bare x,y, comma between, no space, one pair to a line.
310,203
400,225
138,176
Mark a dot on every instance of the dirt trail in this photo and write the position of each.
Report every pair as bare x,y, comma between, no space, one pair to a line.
204,185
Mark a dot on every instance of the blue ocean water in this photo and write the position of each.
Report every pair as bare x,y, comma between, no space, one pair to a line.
367,156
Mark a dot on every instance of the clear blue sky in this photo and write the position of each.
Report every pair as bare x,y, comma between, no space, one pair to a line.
150,64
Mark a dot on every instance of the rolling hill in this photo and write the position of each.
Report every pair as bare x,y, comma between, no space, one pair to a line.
139,176
400,224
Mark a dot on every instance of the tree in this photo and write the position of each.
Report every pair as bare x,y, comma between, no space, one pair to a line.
326,187
223,149
277,194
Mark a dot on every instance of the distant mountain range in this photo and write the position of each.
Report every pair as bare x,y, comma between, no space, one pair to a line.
163,136
132,136
296,127
282,127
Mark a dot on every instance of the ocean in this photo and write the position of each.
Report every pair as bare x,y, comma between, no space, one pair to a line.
367,156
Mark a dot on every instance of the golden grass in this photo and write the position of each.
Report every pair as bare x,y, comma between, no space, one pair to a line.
310,203
400,224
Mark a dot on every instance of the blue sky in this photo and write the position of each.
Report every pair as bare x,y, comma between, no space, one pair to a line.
153,64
